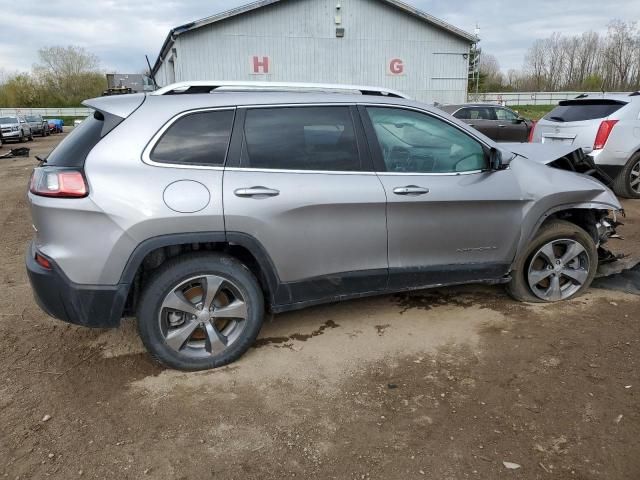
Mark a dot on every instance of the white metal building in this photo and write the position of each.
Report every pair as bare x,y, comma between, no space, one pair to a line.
369,42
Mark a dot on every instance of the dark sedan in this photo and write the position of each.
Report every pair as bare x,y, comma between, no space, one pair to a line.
497,122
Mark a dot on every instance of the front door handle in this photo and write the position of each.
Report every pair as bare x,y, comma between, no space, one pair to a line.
501,126
410,190
256,192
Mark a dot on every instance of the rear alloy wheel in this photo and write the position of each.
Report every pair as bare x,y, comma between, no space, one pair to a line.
559,264
200,311
627,183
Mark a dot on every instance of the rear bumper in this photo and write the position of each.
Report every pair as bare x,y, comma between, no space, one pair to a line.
97,306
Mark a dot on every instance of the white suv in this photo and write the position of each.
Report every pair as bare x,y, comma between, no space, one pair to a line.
605,126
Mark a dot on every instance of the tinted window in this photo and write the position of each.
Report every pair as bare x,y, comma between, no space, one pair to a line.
198,138
504,114
580,110
415,142
8,120
300,138
75,147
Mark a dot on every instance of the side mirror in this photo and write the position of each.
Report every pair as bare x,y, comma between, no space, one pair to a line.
520,120
495,159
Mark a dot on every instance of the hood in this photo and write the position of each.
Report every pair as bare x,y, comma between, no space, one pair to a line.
538,152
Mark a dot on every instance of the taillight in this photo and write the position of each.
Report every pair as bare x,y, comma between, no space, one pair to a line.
533,127
603,134
63,183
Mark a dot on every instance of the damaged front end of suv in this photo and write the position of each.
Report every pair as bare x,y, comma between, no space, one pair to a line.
584,199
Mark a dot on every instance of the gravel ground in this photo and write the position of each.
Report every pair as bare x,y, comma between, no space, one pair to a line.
445,384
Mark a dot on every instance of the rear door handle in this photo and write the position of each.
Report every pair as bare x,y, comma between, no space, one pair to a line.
410,190
501,126
256,192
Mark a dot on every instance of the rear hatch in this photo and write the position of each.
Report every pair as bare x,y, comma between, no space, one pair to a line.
575,122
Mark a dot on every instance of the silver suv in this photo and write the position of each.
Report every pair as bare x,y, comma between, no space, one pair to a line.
200,206
605,126
15,128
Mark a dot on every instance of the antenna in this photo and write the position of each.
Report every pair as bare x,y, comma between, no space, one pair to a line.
153,78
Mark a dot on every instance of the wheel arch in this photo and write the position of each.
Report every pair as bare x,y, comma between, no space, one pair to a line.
585,215
153,252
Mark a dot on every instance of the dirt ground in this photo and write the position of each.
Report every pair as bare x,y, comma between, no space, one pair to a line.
445,384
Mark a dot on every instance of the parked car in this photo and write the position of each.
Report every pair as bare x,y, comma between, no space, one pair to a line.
55,125
39,126
77,122
327,196
497,122
15,128
605,126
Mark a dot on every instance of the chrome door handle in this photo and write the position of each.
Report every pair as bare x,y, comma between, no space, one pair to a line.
256,192
501,126
410,190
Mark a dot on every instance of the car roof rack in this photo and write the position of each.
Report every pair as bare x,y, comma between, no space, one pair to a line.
635,94
582,95
200,86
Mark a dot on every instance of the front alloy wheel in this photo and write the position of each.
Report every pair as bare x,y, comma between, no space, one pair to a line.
558,270
634,179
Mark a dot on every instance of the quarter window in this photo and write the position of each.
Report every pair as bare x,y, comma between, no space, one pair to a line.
300,138
199,138
414,142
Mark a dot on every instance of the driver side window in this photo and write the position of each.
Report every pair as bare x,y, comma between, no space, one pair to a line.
414,142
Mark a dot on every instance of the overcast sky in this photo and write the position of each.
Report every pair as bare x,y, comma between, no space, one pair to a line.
121,32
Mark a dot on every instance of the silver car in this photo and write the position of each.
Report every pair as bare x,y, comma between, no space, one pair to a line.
38,125
607,127
15,128
202,205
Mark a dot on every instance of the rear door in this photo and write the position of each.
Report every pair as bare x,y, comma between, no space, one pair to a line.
300,183
481,118
449,218
575,122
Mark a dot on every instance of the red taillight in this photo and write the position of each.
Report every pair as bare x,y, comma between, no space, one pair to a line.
43,262
533,127
49,182
603,134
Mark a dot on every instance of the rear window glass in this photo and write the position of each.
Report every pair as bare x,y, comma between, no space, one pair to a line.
300,138
74,148
580,110
199,138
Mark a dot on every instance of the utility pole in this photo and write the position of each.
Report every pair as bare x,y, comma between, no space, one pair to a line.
477,59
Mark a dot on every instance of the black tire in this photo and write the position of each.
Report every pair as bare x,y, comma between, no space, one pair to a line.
30,138
175,271
44,133
21,139
519,287
622,183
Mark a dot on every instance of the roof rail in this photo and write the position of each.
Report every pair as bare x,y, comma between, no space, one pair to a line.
582,95
635,94
201,86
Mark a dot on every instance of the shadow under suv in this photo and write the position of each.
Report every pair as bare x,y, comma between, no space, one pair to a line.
200,206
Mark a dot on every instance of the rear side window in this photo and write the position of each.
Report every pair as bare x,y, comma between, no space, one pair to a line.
73,150
300,138
200,138
581,110
475,113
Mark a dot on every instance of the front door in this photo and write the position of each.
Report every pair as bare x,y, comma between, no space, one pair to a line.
303,187
510,127
449,218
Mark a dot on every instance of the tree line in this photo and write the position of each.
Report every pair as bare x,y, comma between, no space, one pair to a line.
64,77
586,62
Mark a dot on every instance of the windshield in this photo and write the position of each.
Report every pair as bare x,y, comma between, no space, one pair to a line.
31,118
8,120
